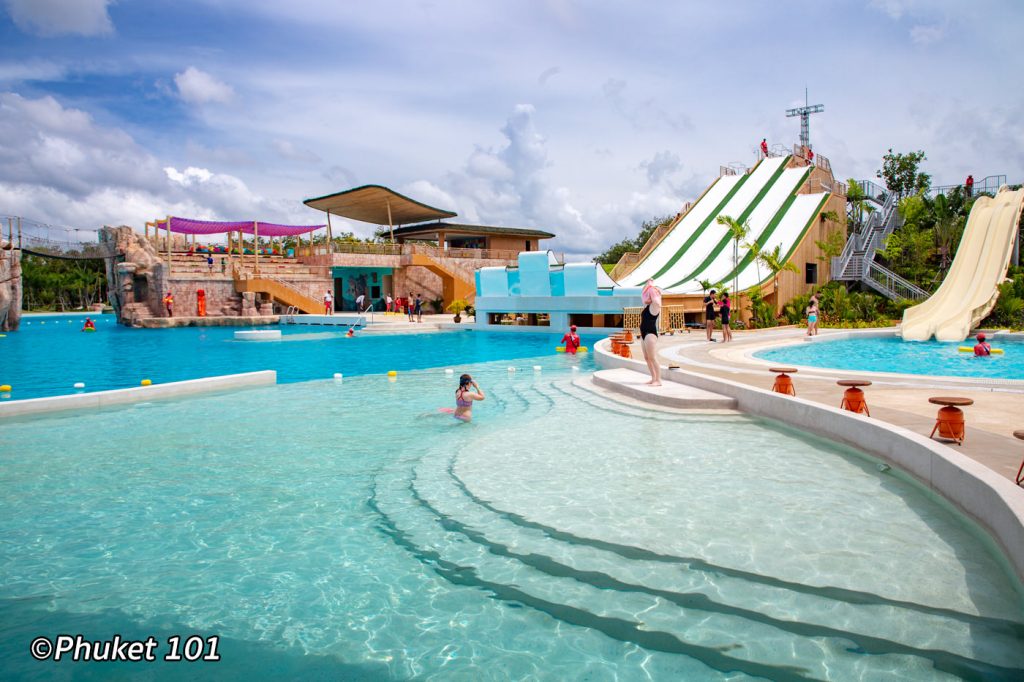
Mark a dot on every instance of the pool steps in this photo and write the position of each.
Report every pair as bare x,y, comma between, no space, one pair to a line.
635,595
669,394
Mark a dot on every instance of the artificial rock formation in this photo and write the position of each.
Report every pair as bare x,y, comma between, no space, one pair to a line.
138,282
10,287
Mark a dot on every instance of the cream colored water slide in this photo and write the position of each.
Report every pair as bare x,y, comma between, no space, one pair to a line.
970,289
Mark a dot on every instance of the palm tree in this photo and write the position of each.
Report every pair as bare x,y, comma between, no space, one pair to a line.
773,261
737,231
857,200
755,252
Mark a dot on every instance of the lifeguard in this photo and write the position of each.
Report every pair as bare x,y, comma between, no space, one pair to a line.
169,303
571,341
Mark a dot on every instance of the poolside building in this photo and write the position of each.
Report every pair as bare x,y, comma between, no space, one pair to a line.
422,254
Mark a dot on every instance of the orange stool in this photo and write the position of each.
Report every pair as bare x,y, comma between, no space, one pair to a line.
853,397
784,382
1020,472
950,420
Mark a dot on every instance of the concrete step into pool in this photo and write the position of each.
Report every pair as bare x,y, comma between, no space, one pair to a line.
669,394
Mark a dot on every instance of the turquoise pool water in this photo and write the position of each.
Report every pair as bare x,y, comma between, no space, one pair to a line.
330,530
49,354
891,354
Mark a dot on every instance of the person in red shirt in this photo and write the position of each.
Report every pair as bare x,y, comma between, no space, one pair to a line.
764,147
981,348
571,341
810,155
969,185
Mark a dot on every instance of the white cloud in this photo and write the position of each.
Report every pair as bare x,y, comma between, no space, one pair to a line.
510,186
58,165
925,34
662,165
49,18
287,150
199,87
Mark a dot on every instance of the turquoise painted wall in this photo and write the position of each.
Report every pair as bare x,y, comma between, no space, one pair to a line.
349,282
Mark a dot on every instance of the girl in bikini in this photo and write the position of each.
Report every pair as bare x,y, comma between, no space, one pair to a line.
464,398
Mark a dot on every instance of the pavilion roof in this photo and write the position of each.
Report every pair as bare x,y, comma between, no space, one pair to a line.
189,226
371,204
461,228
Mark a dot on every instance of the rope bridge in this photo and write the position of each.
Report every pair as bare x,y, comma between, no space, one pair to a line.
52,241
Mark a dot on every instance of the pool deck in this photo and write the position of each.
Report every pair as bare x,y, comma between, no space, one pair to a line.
901,400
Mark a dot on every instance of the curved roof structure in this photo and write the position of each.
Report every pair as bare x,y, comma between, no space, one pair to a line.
430,229
378,205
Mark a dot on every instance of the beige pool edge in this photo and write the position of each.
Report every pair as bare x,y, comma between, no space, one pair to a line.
139,394
984,496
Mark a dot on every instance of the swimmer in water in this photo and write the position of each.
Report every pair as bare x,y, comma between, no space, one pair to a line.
982,349
464,398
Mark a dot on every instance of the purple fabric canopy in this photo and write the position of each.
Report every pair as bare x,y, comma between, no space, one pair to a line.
187,226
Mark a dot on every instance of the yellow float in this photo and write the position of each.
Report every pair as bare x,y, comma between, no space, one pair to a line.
970,349
561,349
147,382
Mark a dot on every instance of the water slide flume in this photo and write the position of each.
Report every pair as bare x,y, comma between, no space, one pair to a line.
970,289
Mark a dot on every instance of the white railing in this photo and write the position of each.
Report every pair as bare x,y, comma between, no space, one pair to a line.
893,284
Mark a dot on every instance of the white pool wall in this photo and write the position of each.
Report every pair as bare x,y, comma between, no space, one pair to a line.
139,394
992,501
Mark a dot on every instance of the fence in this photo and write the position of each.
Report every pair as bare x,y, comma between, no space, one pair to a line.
672,317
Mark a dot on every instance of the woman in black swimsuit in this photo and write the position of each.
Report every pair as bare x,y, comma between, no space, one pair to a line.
651,297
724,310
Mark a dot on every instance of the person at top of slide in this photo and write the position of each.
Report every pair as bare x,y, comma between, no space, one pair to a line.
969,185
571,341
651,298
982,349
764,147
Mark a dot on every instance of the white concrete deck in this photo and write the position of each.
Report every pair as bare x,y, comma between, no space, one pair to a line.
669,394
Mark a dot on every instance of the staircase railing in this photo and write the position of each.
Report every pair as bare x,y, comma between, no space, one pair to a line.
892,285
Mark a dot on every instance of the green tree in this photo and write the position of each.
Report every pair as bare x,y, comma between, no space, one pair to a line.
614,253
858,206
901,173
737,232
776,265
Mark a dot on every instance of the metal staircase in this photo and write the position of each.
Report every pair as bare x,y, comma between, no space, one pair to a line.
857,261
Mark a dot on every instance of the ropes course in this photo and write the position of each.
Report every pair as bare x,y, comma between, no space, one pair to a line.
53,241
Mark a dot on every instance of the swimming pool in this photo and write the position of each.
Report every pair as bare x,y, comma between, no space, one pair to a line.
346,530
891,354
50,353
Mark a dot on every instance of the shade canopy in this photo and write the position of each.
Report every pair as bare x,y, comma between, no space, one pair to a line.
188,226
378,205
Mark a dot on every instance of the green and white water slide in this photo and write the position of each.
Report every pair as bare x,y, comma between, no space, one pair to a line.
697,247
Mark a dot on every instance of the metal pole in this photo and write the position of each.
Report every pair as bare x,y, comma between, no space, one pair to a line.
19,233
256,245
168,246
330,236
391,228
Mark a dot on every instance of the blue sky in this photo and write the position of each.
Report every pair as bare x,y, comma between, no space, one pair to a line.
581,118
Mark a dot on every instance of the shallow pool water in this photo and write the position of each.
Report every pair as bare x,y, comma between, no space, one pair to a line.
49,354
890,354
350,531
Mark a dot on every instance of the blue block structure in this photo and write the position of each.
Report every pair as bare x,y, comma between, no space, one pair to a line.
545,294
